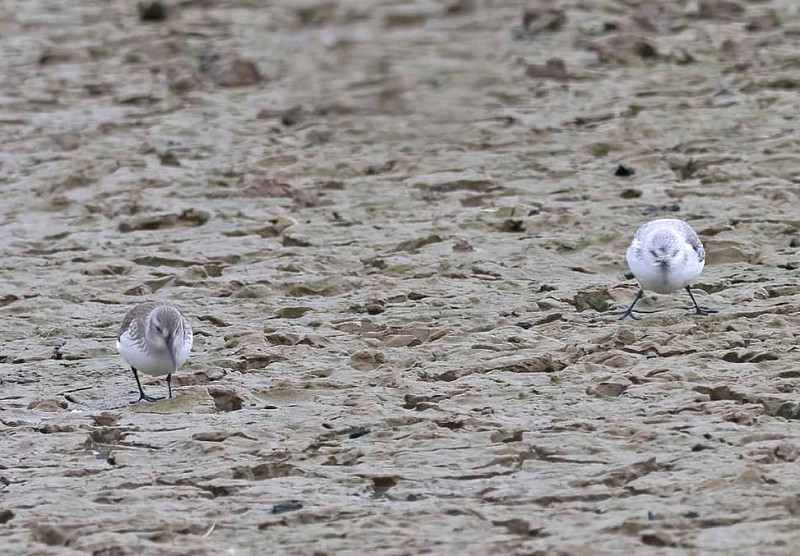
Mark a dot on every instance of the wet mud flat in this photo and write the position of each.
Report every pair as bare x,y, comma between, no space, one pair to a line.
398,231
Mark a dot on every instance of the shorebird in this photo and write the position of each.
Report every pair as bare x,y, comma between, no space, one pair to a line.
665,256
155,339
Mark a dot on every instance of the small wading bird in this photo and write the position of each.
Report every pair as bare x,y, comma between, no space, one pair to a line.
155,338
666,256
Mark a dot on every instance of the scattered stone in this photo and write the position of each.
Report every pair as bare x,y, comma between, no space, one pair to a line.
315,14
511,225
462,245
168,158
105,419
181,78
554,68
655,210
6,516
375,306
540,364
382,485
460,7
786,451
596,298
232,71
505,436
413,245
189,217
631,193
359,432
715,9
287,506
536,21
292,116
721,98
48,405
609,389
367,360
51,535
519,526
402,340
657,539
282,339
623,171
67,141
764,22
623,49
292,312
290,240
447,182
225,399
152,11
211,436
406,16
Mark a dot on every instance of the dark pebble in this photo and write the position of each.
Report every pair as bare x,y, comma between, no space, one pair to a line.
700,447
287,506
691,515
292,116
623,171
512,226
152,11
359,432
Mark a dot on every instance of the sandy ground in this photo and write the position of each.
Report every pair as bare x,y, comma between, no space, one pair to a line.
397,230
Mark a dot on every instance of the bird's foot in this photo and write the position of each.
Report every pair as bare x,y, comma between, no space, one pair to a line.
147,398
704,312
629,313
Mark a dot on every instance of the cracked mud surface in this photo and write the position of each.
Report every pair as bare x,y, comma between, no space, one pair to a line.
397,229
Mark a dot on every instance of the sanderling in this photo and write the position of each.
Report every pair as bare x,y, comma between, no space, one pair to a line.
155,338
665,256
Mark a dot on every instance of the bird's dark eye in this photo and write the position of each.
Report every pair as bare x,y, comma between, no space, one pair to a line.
158,329
652,252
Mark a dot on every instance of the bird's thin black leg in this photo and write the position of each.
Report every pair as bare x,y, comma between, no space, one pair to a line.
699,310
169,384
629,312
142,395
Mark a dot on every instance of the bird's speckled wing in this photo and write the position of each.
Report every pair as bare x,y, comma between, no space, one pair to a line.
693,240
139,311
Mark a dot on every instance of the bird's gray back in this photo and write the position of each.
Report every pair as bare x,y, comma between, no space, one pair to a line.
684,229
138,312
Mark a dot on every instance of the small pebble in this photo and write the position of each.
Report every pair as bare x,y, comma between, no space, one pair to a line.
359,432
631,193
152,11
623,171
287,506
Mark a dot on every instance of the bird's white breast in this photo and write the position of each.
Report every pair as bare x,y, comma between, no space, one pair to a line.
151,362
653,278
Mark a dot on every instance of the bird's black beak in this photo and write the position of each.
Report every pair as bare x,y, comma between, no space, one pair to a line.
170,341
